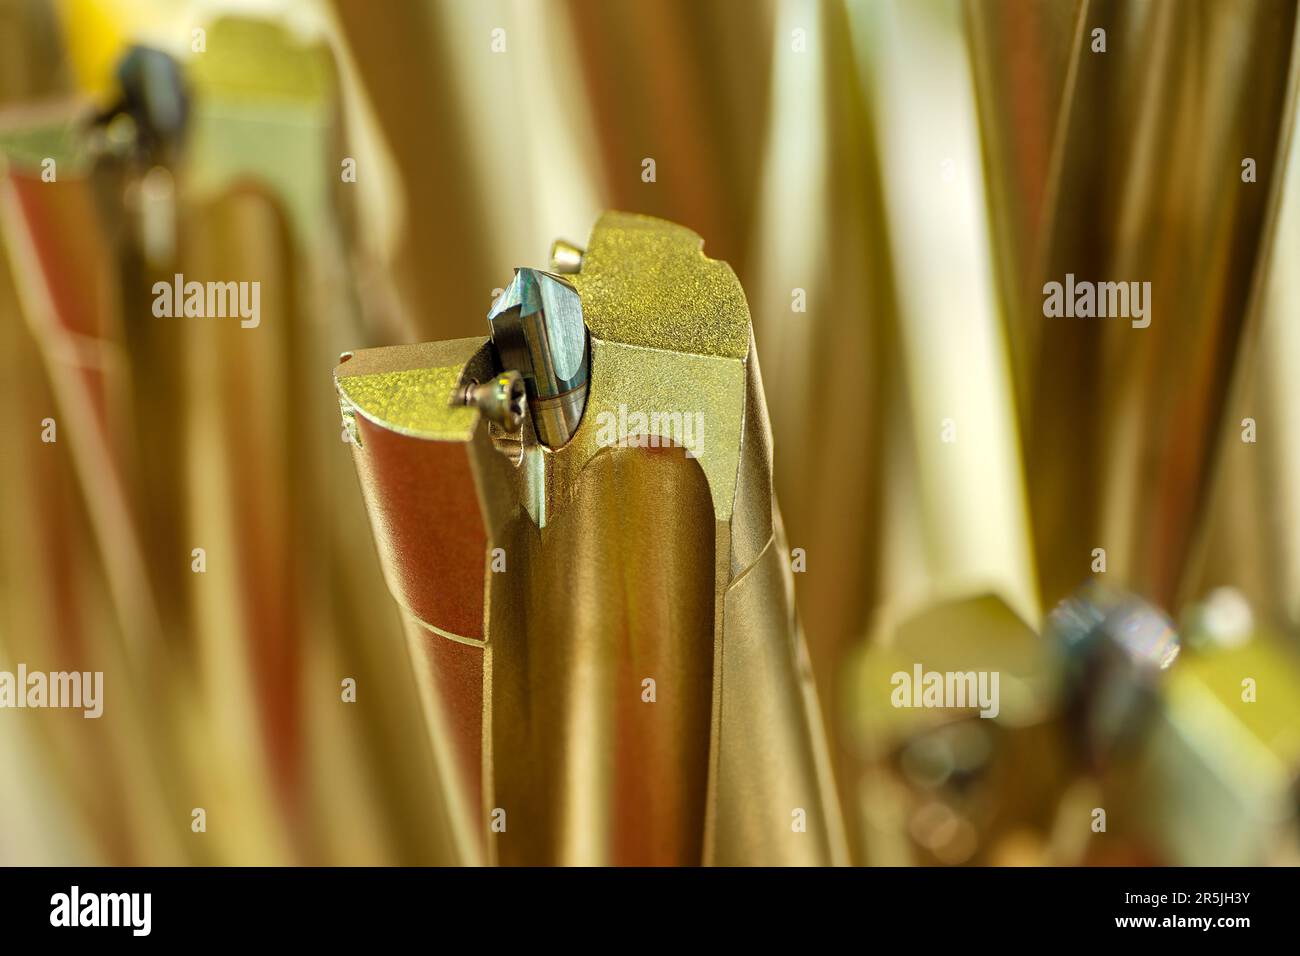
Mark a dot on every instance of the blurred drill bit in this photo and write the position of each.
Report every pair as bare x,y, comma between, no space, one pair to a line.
1116,647
153,100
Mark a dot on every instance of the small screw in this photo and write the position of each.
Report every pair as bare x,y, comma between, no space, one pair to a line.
566,258
501,399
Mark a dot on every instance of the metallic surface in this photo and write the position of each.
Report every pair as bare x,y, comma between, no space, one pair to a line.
537,328
566,258
502,400
617,564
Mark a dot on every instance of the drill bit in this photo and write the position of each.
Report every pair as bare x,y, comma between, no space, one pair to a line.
537,328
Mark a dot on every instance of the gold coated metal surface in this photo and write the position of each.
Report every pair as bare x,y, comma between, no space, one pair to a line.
582,573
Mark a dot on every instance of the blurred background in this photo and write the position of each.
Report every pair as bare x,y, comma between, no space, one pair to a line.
892,181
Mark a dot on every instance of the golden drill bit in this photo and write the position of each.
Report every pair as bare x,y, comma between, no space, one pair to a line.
613,668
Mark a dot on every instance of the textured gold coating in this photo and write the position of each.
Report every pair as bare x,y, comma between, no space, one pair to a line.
647,282
409,388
